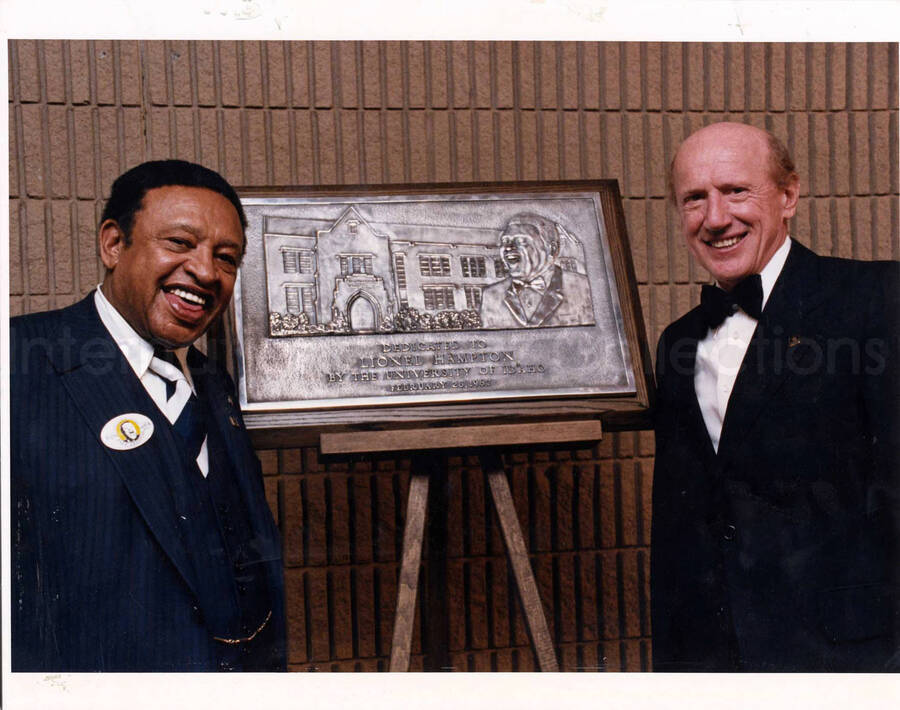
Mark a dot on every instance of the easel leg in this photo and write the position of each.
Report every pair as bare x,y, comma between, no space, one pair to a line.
436,632
409,571
492,465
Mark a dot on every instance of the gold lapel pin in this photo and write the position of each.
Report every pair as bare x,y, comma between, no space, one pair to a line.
794,341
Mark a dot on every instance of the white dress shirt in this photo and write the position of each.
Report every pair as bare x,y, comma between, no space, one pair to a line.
138,352
720,353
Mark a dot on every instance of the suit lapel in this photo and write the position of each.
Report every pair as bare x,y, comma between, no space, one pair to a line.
221,408
686,390
552,298
102,385
226,418
781,329
515,306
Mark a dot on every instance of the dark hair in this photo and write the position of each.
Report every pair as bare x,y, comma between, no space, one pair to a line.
129,189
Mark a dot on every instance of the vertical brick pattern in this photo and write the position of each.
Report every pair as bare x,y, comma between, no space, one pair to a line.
283,113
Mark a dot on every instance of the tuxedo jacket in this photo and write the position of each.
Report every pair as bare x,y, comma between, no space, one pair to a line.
118,556
566,300
780,552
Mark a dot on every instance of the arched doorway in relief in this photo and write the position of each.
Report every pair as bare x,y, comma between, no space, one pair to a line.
362,312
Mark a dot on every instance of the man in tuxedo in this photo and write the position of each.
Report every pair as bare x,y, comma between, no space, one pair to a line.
142,540
775,492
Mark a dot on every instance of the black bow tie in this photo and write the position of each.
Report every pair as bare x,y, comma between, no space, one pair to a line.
717,304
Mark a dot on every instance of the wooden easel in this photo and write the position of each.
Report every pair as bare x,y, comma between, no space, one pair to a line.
482,437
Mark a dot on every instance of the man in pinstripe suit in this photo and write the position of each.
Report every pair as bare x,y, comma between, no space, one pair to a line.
142,540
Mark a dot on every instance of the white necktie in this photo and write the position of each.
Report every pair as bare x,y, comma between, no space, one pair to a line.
182,408
174,402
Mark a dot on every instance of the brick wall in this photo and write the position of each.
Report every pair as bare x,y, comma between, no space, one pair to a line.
81,112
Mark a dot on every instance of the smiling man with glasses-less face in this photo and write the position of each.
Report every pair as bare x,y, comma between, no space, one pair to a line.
775,499
142,536
732,205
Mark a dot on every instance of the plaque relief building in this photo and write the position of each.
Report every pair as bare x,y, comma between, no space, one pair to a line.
354,276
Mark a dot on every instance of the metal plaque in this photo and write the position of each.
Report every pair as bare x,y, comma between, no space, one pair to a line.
370,299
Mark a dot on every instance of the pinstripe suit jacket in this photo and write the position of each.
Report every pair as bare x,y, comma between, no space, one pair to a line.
103,573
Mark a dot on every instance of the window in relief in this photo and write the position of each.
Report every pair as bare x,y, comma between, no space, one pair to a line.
290,261
473,297
400,270
473,266
297,261
438,298
434,265
308,294
567,263
292,296
356,264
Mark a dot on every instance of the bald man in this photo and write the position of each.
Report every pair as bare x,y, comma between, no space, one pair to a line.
775,498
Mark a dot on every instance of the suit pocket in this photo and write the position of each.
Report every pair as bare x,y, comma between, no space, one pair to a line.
857,613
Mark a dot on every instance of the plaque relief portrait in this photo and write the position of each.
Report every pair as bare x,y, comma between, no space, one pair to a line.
545,282
350,300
